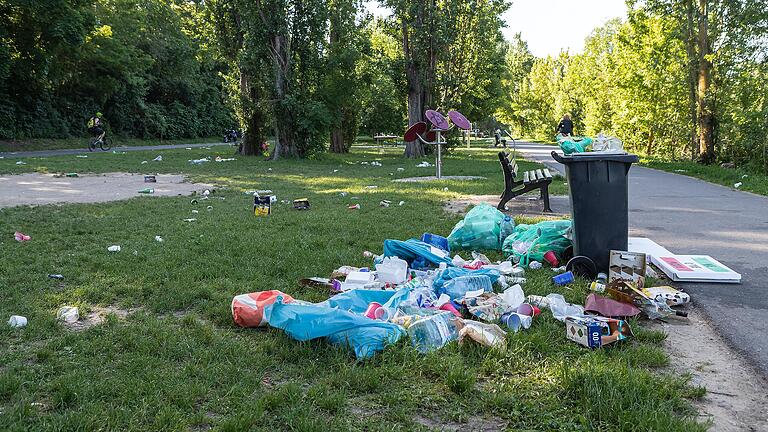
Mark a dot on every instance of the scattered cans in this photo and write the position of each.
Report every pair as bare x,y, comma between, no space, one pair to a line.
114,248
354,207
56,276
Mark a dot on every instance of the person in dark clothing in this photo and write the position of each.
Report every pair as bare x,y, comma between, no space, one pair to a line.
497,136
565,126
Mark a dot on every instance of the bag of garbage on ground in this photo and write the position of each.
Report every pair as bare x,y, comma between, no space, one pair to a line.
458,289
481,229
530,242
418,254
341,318
571,144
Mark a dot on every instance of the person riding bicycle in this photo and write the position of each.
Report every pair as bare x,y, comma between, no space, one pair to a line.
95,126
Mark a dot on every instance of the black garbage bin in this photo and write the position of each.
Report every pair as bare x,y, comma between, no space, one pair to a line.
599,203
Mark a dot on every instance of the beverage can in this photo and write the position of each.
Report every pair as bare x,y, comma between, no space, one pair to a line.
597,287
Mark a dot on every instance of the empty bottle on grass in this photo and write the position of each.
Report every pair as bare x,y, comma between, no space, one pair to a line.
433,332
507,227
457,287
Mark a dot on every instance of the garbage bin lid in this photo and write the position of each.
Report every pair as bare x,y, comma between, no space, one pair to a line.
595,156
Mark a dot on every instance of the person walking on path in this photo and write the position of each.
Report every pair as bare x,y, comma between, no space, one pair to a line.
565,126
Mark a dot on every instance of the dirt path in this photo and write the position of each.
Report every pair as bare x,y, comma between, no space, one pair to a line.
736,399
38,189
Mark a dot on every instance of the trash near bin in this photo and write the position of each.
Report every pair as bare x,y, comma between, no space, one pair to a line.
599,206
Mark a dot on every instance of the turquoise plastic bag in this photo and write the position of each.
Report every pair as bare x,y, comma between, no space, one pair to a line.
571,144
479,230
530,242
341,320
419,255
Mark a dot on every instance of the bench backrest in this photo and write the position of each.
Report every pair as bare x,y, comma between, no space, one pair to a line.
509,167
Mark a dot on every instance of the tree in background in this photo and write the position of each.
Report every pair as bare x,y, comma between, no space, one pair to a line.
341,87
449,53
143,63
382,87
518,62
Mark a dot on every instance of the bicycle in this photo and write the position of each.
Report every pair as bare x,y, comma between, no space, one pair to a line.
104,143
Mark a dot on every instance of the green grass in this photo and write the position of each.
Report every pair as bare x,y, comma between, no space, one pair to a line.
179,363
750,181
82,143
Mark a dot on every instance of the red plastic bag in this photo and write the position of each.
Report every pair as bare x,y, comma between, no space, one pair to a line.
248,309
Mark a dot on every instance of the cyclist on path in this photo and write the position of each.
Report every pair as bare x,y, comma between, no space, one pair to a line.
95,126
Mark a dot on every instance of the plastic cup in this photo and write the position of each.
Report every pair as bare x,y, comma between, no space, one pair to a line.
450,308
17,321
374,311
551,258
515,321
563,279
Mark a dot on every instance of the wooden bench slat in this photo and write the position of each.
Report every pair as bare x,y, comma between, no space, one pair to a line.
526,178
547,174
539,174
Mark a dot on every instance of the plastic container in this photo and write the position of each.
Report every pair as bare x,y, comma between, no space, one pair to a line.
17,321
433,332
599,203
563,279
458,286
436,241
392,270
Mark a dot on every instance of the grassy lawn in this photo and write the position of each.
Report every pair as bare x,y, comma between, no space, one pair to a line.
82,143
179,363
750,181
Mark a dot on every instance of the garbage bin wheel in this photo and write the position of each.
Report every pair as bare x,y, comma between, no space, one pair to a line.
582,266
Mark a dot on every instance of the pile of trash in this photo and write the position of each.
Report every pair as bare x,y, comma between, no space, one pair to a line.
601,143
416,289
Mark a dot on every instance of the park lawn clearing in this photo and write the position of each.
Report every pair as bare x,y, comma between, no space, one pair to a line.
167,355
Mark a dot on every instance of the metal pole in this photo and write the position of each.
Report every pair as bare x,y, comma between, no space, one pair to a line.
439,163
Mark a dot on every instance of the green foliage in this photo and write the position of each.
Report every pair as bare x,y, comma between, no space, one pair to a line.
633,81
143,64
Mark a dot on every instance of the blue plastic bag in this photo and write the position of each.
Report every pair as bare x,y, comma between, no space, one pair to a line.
418,254
454,272
340,319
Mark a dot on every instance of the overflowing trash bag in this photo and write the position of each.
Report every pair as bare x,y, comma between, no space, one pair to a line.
570,144
340,319
530,242
418,254
481,229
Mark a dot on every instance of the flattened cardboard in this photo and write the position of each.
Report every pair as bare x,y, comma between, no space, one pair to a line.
627,266
684,268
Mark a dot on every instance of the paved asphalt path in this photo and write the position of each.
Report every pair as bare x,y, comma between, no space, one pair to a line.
45,153
690,216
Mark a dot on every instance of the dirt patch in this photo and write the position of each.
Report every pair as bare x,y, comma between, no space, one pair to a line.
478,424
736,398
97,316
433,178
526,205
39,189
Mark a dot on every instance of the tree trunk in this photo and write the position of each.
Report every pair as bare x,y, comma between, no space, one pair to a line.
413,149
284,143
704,100
690,48
337,141
251,144
649,146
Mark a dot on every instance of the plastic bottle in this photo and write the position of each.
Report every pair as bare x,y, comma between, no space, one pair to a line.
433,332
507,227
458,286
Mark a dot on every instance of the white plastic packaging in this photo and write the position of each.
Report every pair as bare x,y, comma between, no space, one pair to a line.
392,270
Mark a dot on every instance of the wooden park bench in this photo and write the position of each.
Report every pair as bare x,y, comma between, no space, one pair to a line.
531,180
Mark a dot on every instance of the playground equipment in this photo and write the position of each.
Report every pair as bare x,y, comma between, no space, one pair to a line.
434,135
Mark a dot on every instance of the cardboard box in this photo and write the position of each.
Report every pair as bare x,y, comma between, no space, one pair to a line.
684,268
627,266
596,331
262,205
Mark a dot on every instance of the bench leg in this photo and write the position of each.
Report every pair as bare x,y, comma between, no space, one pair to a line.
545,197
